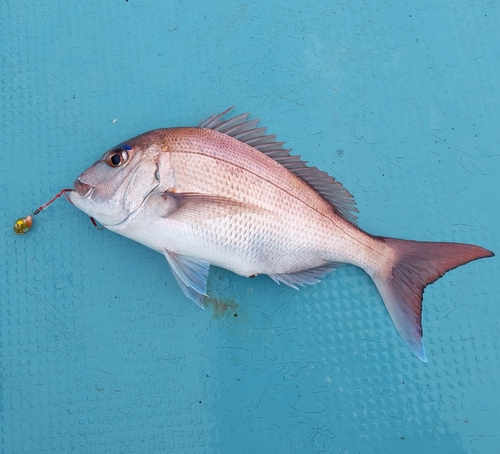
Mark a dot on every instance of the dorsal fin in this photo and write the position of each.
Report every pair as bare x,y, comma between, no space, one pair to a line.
246,131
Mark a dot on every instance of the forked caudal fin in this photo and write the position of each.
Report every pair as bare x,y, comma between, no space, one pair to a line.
416,265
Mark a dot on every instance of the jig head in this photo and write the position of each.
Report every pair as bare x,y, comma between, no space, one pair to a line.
23,225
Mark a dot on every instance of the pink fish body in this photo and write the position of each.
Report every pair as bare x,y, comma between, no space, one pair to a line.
226,194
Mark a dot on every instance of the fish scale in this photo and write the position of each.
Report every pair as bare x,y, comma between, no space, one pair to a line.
225,193
238,179
239,157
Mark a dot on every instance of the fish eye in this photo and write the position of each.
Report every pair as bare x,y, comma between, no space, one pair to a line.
117,157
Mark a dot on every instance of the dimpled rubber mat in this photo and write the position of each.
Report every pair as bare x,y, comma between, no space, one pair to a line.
100,351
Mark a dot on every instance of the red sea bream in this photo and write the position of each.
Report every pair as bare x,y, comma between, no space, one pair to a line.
226,194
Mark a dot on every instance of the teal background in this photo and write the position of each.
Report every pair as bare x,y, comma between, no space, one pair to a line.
99,350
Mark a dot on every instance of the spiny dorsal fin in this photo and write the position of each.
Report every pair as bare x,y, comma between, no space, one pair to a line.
246,131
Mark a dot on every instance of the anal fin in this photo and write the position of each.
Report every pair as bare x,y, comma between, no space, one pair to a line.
310,276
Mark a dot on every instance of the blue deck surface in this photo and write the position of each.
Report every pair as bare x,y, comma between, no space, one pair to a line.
100,352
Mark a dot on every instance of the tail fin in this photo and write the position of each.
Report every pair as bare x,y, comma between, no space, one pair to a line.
416,265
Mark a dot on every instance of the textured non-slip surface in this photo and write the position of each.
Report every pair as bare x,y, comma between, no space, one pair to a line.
99,350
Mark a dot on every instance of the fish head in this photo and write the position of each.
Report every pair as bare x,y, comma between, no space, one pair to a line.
116,185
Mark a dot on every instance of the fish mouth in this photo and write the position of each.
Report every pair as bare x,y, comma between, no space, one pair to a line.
84,190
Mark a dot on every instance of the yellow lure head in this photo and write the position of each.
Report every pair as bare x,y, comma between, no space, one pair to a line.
22,225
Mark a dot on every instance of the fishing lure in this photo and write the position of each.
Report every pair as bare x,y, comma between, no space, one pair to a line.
23,225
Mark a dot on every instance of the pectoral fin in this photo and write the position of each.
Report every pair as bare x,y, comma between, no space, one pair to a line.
191,274
195,206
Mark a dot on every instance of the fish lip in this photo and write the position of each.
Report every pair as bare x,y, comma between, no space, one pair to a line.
83,189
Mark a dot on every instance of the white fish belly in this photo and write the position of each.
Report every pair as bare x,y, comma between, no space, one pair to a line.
252,242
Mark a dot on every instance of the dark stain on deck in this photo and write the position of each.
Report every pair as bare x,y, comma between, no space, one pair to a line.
222,307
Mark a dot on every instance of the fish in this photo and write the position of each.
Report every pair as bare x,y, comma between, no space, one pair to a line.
226,194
